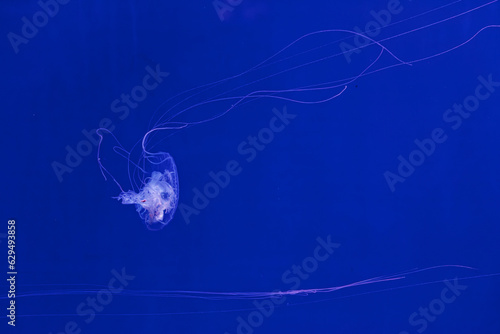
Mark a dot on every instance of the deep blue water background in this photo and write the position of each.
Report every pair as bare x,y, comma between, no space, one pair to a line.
322,176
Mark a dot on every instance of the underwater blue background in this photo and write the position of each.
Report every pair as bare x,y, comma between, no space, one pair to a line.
321,177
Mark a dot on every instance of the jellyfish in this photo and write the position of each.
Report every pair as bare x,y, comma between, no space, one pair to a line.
157,200
314,58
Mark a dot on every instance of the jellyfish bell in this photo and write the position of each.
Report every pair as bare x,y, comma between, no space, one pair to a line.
157,200
153,183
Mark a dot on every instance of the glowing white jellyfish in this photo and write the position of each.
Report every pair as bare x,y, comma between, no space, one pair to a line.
154,185
157,201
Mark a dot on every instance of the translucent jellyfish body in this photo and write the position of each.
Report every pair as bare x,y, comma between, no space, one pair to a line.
157,200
